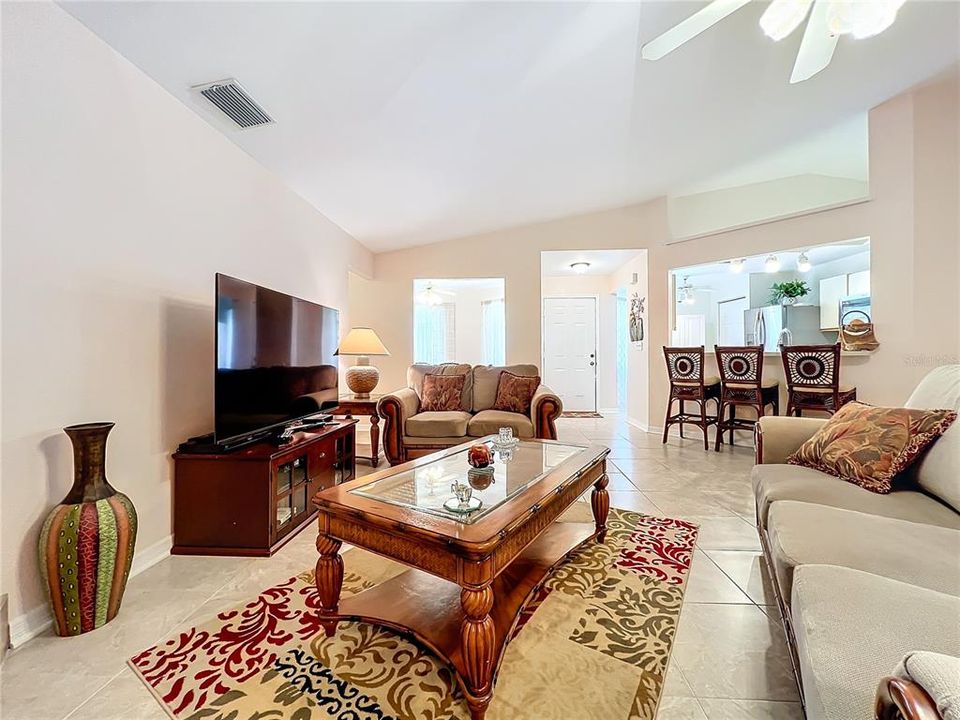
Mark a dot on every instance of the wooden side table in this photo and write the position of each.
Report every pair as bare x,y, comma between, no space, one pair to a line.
350,406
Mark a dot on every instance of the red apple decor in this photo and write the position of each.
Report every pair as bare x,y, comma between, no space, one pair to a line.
479,456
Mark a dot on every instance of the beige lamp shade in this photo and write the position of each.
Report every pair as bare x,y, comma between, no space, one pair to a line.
361,341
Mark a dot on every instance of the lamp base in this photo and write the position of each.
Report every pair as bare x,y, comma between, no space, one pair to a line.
362,379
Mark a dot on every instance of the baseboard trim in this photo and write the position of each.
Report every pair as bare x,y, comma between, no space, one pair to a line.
150,556
639,425
34,622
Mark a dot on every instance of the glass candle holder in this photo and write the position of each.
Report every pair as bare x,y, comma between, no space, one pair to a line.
505,436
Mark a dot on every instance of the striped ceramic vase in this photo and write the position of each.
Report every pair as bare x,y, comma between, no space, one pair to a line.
86,544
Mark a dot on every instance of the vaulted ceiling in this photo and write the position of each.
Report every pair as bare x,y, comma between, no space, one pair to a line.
410,122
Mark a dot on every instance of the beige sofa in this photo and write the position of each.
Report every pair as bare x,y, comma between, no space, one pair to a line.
862,579
410,433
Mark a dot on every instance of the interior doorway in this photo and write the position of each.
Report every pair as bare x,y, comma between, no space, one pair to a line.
570,351
586,296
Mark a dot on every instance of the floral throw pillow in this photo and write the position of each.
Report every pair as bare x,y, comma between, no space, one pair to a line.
515,393
869,446
442,392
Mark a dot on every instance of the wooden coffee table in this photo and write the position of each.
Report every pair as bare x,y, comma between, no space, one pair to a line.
469,577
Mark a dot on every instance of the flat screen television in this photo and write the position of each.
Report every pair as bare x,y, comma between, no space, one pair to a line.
275,359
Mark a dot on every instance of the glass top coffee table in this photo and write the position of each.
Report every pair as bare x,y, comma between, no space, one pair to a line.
470,573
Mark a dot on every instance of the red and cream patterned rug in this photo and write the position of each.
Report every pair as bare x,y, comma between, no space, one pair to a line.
606,618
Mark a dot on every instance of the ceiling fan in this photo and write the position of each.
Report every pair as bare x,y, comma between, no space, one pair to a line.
432,296
829,19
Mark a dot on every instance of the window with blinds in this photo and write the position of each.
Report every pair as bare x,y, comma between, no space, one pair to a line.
493,332
434,333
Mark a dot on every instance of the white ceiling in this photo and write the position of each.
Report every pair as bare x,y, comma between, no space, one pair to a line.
409,122
555,263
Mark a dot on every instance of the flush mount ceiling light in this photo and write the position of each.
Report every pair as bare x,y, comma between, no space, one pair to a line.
580,267
736,266
772,264
803,263
828,20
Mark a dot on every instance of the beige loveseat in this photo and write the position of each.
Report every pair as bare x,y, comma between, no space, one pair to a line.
862,579
409,433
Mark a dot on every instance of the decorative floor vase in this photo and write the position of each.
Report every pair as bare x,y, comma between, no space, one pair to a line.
87,541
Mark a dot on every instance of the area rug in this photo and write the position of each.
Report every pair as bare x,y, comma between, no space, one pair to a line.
580,414
594,643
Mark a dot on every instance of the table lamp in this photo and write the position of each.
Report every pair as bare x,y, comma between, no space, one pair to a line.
363,377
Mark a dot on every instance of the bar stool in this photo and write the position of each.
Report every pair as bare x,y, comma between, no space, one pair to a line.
685,369
742,384
813,379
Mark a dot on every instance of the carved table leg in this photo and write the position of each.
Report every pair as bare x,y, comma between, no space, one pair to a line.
329,579
476,643
374,440
600,500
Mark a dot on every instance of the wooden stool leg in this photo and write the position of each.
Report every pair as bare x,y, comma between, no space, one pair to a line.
703,423
721,407
666,419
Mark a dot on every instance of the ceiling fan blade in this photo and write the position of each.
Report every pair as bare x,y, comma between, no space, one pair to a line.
690,28
817,46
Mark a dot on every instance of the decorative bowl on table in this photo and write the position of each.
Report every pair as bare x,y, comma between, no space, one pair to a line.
479,456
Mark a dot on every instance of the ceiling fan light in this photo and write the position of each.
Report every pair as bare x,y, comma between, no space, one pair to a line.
861,18
803,263
772,264
782,17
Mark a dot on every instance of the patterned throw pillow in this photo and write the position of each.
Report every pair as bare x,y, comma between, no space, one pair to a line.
515,393
869,446
442,392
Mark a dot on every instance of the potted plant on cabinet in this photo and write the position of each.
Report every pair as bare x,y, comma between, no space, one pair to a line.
787,293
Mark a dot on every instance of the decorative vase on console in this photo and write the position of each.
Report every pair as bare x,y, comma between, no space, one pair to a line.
87,541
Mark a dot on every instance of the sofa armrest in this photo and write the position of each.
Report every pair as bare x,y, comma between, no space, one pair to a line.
902,699
778,437
395,408
545,408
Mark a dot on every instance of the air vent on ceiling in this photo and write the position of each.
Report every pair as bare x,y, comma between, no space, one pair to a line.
234,102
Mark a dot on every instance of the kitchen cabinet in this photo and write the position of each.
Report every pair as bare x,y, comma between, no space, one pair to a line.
858,283
832,289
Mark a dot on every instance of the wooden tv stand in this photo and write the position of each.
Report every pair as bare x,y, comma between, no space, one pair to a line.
252,501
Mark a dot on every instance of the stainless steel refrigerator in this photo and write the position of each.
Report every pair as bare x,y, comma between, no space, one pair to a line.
794,324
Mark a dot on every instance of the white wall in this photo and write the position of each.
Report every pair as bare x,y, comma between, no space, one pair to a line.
728,208
119,206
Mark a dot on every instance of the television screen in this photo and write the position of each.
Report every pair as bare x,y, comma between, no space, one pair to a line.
275,358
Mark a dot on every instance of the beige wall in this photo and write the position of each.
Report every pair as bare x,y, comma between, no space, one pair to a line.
912,222
119,205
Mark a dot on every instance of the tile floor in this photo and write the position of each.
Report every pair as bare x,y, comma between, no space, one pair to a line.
729,660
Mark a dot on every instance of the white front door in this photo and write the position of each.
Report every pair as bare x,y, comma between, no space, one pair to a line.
570,351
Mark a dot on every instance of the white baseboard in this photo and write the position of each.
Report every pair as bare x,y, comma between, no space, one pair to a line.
34,622
639,425
28,625
608,411
149,556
